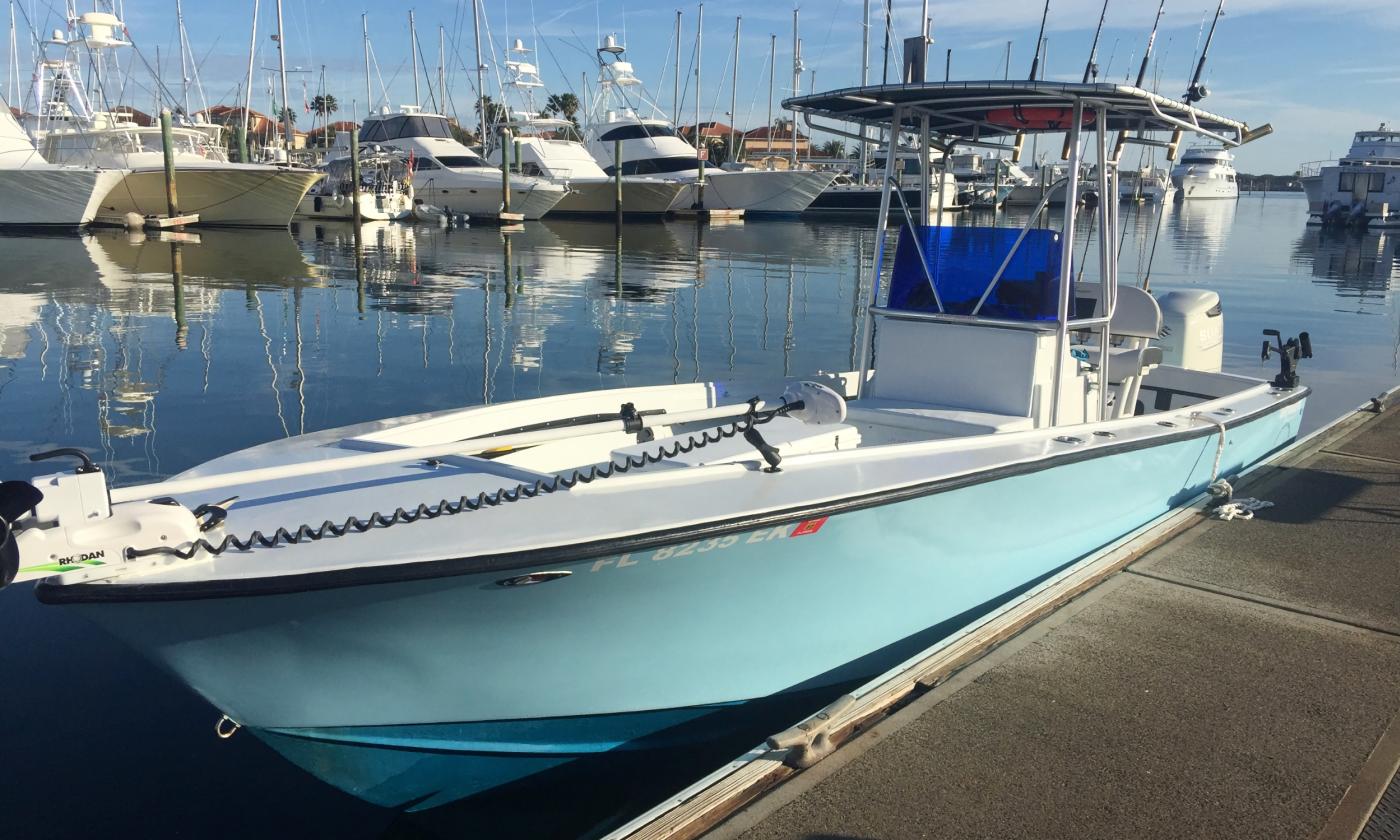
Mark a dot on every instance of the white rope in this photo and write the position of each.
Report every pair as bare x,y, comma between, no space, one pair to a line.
1227,508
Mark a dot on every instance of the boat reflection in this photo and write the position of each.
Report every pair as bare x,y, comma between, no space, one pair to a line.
1359,265
1201,233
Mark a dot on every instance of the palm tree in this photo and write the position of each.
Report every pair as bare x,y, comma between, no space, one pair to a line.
492,113
325,105
833,148
287,115
563,103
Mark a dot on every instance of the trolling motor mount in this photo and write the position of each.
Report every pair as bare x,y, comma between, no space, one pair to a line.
1289,353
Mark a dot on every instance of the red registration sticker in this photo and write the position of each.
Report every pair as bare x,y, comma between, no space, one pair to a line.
809,526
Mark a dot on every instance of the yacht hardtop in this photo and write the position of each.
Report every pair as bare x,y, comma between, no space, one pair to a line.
625,543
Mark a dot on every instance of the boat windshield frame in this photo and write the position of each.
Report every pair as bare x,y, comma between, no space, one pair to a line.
942,115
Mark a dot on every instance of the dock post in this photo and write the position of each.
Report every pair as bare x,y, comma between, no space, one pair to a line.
617,180
167,142
505,172
355,178
242,142
516,146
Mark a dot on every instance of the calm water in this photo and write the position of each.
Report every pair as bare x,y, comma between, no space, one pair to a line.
157,355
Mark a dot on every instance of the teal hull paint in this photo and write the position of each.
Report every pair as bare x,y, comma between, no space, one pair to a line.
627,644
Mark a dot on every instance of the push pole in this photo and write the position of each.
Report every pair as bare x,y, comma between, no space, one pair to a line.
167,142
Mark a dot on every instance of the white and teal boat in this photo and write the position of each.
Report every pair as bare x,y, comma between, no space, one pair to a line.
426,608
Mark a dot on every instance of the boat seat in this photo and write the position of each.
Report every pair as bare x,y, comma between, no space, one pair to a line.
789,435
941,420
1137,319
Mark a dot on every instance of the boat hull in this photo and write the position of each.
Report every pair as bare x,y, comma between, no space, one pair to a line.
757,191
1195,187
639,197
482,201
54,196
373,208
225,195
414,693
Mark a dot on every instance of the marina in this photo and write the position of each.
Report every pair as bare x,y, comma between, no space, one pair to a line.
455,458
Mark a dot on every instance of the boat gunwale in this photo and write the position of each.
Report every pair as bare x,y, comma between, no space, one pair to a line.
105,591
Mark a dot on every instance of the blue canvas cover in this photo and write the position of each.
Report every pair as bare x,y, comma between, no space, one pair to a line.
963,260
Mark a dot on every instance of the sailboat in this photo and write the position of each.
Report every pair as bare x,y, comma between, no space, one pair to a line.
36,192
69,130
421,609
549,147
651,146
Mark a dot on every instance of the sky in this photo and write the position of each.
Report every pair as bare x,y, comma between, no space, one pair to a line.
1317,71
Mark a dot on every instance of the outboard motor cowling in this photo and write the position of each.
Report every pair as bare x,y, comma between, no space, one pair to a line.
1193,330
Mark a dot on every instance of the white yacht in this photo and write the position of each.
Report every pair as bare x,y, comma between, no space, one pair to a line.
36,192
550,148
449,175
849,197
1363,188
651,146
1205,172
1149,183
68,130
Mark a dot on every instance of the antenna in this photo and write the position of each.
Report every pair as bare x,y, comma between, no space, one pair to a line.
1196,91
1091,68
1035,62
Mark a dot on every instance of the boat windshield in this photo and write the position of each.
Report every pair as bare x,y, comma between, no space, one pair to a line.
961,264
396,128
461,161
637,131
656,166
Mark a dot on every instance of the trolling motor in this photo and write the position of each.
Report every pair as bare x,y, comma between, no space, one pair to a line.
66,521
1288,352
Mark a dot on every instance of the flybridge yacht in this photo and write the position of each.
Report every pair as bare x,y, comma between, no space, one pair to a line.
1363,188
426,608
550,149
68,130
651,146
449,175
1205,172
36,192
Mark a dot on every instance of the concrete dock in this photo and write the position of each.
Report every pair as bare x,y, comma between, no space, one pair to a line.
1240,679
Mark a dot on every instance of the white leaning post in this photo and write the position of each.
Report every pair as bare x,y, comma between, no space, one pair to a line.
1066,258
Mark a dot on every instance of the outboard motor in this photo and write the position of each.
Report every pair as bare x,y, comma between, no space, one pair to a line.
1193,330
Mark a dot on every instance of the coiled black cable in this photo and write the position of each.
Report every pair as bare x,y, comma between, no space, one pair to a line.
466,504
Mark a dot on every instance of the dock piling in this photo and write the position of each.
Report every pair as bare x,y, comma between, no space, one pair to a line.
617,179
505,172
167,142
355,178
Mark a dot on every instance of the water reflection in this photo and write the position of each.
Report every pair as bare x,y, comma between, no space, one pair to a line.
1200,233
1359,265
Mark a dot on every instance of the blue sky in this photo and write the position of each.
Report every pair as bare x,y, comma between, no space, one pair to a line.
1309,68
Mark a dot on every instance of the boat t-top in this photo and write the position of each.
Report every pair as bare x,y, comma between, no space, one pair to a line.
1205,171
421,609
623,118
449,175
1360,190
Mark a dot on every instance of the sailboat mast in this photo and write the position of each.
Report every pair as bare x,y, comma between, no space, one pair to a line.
772,58
1091,68
369,90
282,64
676,77
184,62
480,78
413,50
442,70
732,151
699,46
248,88
864,80
796,81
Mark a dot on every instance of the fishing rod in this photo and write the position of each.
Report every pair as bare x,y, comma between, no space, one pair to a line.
1196,91
1035,62
1141,77
1091,67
